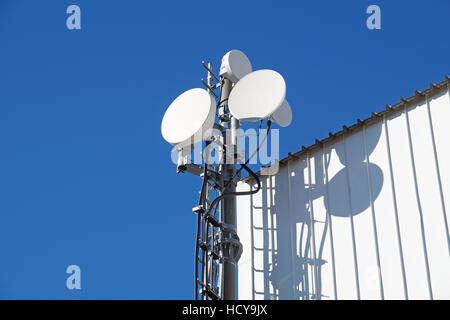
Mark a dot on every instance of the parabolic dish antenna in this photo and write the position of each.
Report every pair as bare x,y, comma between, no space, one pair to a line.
188,117
257,95
235,66
283,116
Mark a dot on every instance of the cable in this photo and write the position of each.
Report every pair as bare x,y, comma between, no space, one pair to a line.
243,166
203,229
199,218
205,258
197,237
211,208
242,193
269,124
222,101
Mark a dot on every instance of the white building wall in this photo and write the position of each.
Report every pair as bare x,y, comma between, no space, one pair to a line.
363,217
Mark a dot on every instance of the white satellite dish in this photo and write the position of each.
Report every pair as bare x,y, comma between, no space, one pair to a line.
188,117
283,116
257,95
235,65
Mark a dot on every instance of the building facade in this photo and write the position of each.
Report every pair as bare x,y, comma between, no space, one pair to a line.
362,214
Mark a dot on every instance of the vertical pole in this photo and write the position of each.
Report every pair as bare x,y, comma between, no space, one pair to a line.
229,203
229,268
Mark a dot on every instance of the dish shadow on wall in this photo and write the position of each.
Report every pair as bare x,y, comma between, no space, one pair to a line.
293,269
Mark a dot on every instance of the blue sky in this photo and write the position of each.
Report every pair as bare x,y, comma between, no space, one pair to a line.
85,176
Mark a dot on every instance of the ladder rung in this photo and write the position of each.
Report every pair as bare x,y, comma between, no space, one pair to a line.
212,220
203,245
214,254
200,283
212,294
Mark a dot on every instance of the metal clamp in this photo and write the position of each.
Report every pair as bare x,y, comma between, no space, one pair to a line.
230,244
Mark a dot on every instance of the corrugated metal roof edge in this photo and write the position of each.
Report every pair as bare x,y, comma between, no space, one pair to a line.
389,110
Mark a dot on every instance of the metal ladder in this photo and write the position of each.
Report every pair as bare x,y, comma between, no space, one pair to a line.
208,257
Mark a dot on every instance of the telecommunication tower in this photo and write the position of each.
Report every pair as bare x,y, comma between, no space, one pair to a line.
214,115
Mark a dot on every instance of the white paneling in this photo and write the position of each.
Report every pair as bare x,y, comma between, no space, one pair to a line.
366,248
281,269
292,232
339,207
329,251
430,200
439,107
299,217
257,231
408,213
244,229
389,241
364,216
324,271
